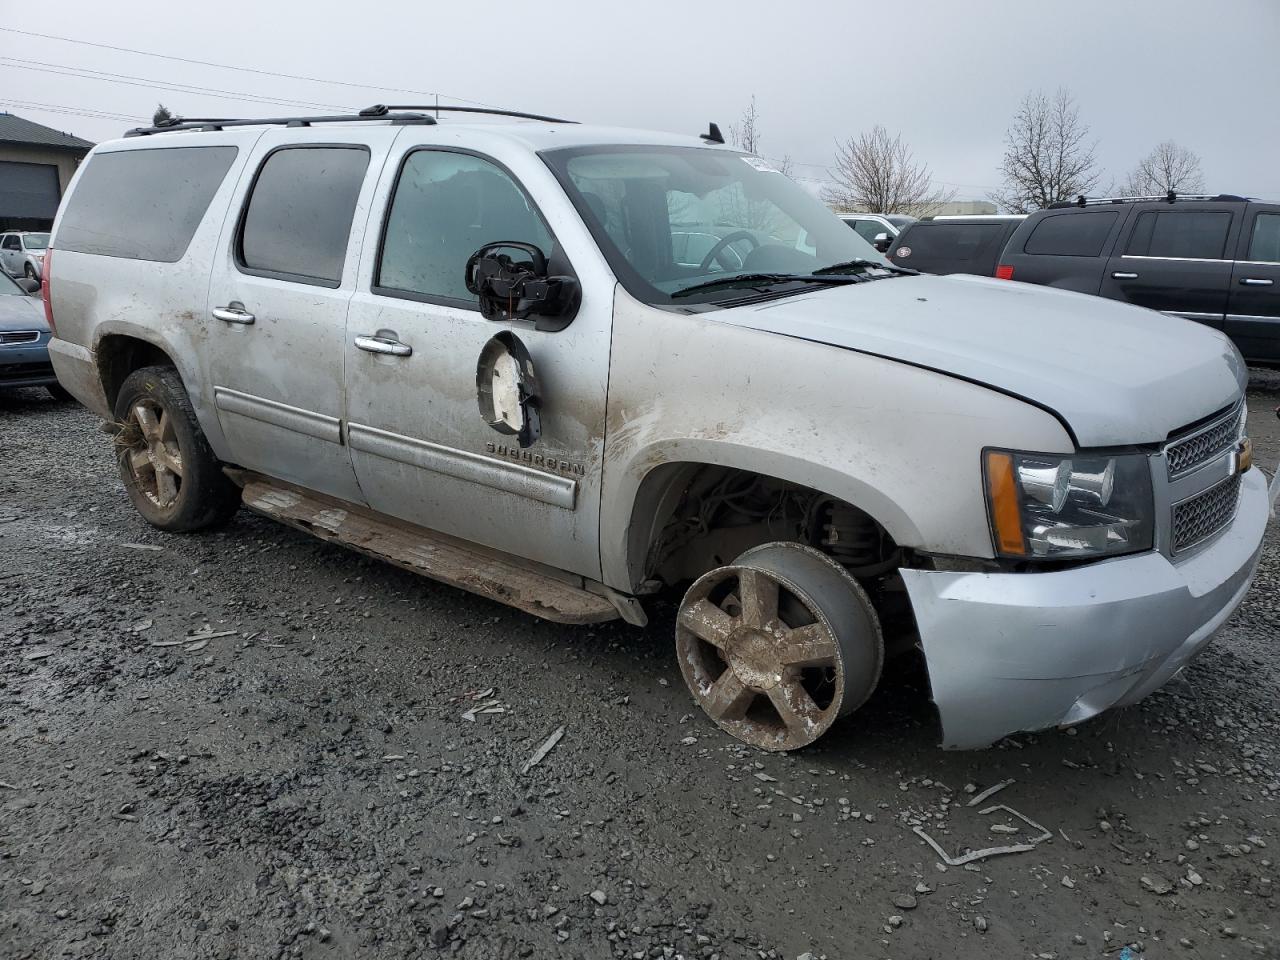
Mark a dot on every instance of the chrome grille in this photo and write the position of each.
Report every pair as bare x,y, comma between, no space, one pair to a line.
1203,445
19,336
1203,515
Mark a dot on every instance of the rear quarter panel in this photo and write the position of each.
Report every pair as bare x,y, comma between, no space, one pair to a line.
94,297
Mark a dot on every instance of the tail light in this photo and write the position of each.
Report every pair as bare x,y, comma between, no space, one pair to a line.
1004,272
44,290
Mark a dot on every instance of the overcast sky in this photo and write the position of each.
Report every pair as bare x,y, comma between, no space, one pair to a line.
946,75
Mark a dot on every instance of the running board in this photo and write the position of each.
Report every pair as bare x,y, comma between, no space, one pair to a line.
546,593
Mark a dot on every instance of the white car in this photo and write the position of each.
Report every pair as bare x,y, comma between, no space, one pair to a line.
878,229
474,349
22,254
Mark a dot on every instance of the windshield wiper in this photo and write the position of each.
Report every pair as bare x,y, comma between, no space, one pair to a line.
763,279
847,265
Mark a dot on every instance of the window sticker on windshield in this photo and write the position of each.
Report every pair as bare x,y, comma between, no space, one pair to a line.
902,252
758,164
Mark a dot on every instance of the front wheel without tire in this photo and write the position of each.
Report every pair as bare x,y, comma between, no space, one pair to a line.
778,645
166,463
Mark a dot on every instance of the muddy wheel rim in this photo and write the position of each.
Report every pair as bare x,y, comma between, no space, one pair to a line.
152,454
760,657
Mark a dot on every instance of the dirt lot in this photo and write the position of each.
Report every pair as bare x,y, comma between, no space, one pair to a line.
318,781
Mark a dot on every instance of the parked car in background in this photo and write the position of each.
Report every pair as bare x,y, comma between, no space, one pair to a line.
954,244
474,350
24,338
1212,259
22,254
878,229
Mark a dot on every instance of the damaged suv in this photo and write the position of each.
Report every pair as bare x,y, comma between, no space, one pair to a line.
482,350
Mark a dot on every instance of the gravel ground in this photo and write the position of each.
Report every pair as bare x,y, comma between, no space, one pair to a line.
337,770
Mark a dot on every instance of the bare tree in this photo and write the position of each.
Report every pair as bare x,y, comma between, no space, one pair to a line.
162,115
1048,155
745,134
1168,167
879,174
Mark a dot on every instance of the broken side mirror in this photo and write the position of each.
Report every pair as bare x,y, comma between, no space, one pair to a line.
507,388
515,287
32,287
882,242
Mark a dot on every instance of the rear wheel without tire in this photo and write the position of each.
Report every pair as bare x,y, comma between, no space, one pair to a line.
778,645
165,461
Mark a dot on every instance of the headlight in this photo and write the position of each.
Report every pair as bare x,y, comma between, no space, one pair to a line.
1055,507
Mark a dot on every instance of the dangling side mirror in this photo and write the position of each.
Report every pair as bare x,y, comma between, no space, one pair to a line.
882,242
517,287
507,389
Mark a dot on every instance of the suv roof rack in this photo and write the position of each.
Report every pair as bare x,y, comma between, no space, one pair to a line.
378,111
382,109
1170,197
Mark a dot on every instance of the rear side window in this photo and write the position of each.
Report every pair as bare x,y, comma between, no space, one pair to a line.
1182,234
951,241
1264,246
1070,234
298,219
143,204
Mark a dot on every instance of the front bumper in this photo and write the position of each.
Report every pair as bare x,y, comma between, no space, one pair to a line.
26,364
1025,651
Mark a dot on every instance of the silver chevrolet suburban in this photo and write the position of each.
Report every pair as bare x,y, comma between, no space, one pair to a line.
569,368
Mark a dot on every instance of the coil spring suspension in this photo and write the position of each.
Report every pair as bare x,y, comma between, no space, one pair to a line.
850,537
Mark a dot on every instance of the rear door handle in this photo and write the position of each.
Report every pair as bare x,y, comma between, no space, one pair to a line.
1254,282
233,313
384,345
1124,276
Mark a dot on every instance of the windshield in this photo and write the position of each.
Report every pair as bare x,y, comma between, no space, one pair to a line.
670,219
36,241
10,287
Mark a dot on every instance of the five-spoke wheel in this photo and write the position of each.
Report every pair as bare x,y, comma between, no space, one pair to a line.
152,452
778,645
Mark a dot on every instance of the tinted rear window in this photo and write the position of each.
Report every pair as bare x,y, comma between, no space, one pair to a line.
949,241
299,216
1071,234
143,204
1184,234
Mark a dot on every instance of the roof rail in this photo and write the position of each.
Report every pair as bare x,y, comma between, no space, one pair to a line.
382,110
1170,197
218,123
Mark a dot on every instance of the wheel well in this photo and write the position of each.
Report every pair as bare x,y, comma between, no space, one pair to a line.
693,517
118,356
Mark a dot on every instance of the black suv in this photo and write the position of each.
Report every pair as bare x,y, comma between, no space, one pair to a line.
953,244
1211,259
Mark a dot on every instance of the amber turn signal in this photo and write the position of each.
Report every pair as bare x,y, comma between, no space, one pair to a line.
1244,455
1002,494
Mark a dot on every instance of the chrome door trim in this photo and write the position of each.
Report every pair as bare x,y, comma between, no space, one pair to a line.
1253,316
307,422
1192,315
1137,256
463,465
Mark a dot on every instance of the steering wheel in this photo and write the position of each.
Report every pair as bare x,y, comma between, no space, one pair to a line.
714,253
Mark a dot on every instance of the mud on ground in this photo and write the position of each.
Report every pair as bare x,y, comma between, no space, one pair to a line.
252,744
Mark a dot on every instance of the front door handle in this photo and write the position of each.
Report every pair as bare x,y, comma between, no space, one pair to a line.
1124,276
233,313
1254,282
385,345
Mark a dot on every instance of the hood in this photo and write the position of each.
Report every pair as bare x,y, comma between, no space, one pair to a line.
21,313
1115,373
